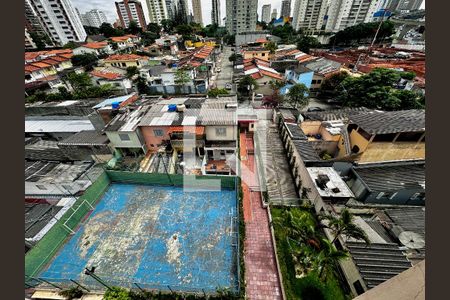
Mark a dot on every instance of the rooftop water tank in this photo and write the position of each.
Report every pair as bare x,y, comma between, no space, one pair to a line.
115,105
172,107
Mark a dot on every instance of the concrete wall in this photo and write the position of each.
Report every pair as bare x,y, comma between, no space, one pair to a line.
386,151
151,140
116,142
231,133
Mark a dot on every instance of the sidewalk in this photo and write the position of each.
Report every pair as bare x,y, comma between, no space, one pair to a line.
261,274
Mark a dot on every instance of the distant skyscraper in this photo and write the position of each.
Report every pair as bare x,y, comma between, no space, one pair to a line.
409,5
286,8
215,12
60,20
130,10
309,15
241,15
274,14
170,7
94,18
181,12
345,13
197,9
157,10
265,13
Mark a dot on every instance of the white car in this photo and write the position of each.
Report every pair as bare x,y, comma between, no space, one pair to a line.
218,70
228,86
259,96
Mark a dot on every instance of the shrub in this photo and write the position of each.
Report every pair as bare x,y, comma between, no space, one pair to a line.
72,293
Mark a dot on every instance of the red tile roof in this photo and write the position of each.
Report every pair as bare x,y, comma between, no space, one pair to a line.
106,75
40,65
256,75
30,68
33,55
261,40
66,55
126,57
198,130
58,51
270,74
95,45
123,38
50,61
60,58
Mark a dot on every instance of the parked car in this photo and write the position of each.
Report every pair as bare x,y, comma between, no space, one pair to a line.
228,86
218,70
314,108
259,96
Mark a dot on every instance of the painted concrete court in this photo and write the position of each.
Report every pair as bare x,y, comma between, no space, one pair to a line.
154,236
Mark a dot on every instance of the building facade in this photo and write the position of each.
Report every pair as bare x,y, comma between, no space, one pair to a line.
265,13
285,8
215,12
157,10
274,14
345,13
197,8
309,15
59,20
408,5
241,15
95,18
129,10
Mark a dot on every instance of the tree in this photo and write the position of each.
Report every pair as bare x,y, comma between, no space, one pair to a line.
182,77
79,81
131,71
332,84
133,28
328,258
154,28
363,31
142,85
84,60
305,43
70,45
90,30
344,225
149,37
167,25
108,31
276,85
39,39
247,84
298,95
216,92
378,90
72,293
271,46
286,32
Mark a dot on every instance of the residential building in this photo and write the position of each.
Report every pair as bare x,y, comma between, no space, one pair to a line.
391,183
170,7
87,145
125,60
60,20
55,127
323,68
181,12
309,15
256,52
274,14
241,15
131,10
95,18
157,10
296,75
260,70
381,136
215,12
285,8
126,43
345,13
408,5
44,66
29,43
117,81
107,109
33,24
197,9
265,13
96,48
169,43
96,38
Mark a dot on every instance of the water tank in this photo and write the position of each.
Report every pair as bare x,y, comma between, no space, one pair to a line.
115,105
172,107
181,107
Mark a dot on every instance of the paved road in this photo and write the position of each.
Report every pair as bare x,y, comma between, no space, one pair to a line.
226,74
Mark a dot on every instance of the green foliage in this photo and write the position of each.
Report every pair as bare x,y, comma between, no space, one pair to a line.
333,82
131,71
247,84
168,25
133,28
84,60
306,43
377,90
154,27
91,30
149,37
271,46
117,293
181,77
72,293
363,31
70,45
408,75
108,31
297,95
229,39
343,225
142,85
311,288
213,30
79,81
286,32
216,92
40,40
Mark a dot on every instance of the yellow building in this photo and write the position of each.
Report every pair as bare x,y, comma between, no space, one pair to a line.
125,61
377,136
259,52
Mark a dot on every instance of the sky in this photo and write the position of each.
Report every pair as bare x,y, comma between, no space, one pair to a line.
109,8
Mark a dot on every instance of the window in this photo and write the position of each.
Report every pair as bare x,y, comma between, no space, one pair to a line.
358,287
263,54
221,131
124,64
319,81
158,132
124,137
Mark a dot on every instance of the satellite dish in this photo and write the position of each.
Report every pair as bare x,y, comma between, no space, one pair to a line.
412,240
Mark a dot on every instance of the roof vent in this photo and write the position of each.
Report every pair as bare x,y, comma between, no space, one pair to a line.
335,190
322,180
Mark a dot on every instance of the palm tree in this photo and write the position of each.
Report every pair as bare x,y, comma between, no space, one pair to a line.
344,225
329,257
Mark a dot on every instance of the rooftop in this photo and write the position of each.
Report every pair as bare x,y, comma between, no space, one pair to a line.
110,101
385,177
125,57
95,45
323,66
295,132
127,121
57,124
328,183
334,115
385,122
107,75
306,151
85,138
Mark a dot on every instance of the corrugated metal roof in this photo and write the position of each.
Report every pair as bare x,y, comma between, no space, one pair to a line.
85,138
110,101
62,125
306,151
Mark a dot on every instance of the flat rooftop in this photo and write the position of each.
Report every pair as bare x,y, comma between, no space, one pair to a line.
335,187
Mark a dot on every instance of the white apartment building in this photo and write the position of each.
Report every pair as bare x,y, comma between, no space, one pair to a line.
346,13
60,20
241,15
265,13
309,15
157,10
129,10
95,18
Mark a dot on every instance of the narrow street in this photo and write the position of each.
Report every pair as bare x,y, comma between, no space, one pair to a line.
226,73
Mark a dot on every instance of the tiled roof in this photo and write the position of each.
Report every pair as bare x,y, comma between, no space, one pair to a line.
306,151
125,57
256,75
295,132
66,55
106,75
120,38
50,61
386,177
270,74
40,65
335,114
30,68
95,45
385,122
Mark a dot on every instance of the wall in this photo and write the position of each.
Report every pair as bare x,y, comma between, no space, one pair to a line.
119,63
116,142
150,139
319,80
386,151
231,133
401,198
83,50
257,54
